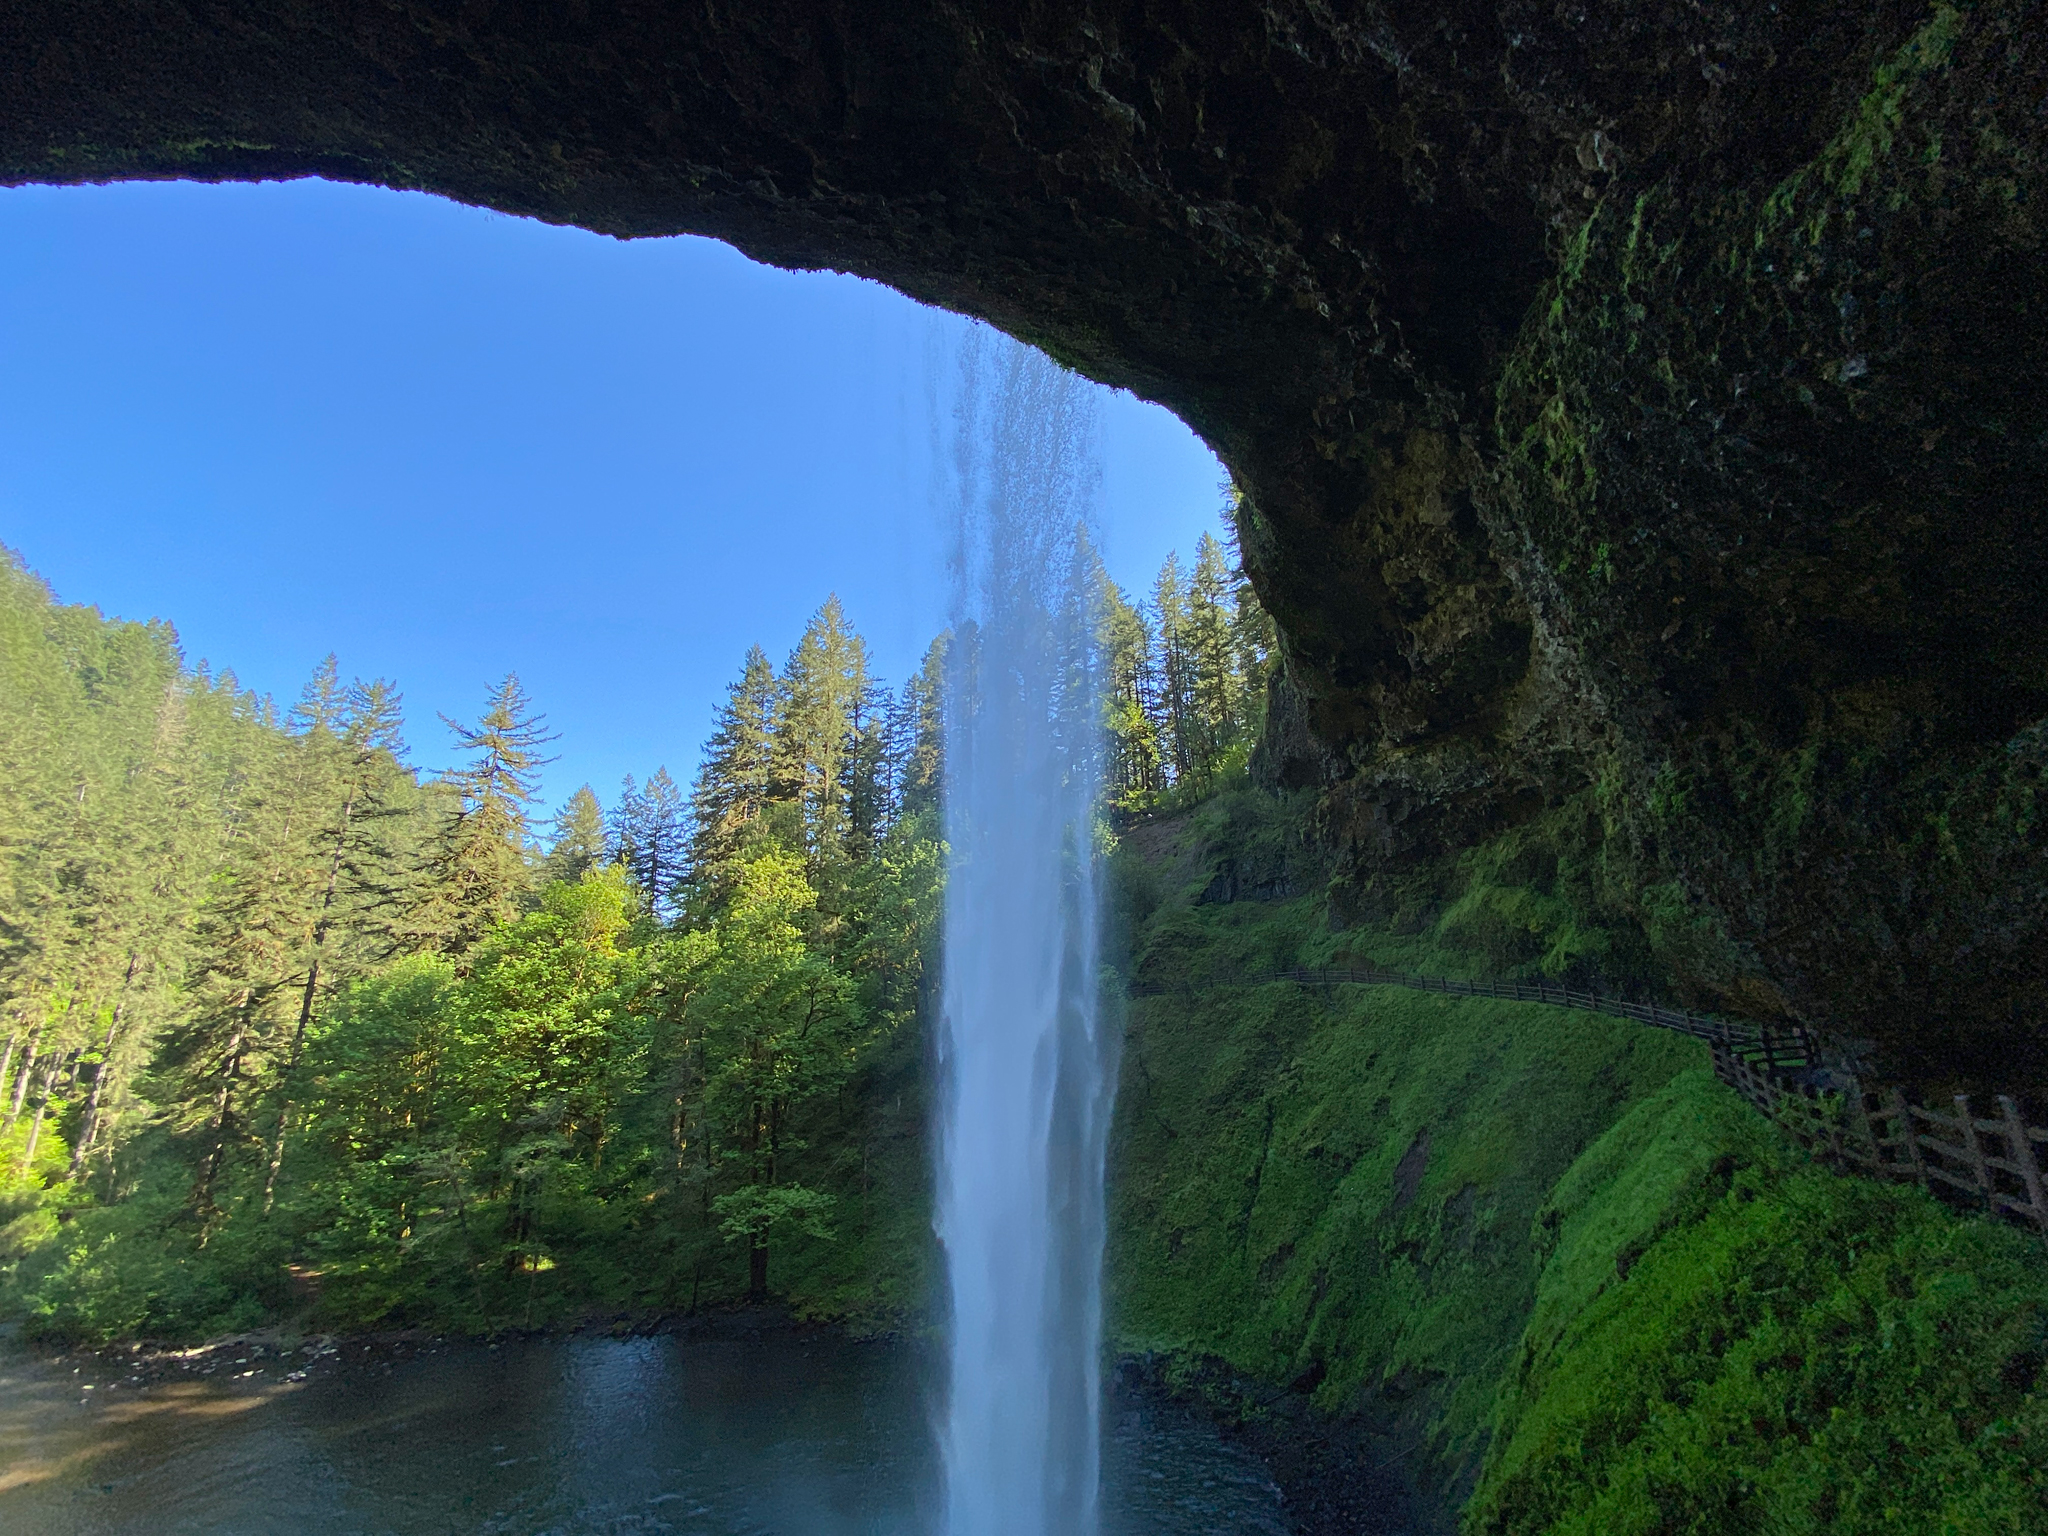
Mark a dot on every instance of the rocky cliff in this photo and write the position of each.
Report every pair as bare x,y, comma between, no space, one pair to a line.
1638,408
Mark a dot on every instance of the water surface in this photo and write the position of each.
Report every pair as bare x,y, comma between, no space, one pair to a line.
776,1437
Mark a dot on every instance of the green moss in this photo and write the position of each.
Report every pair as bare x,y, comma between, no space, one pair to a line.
1870,134
1340,1184
1726,1339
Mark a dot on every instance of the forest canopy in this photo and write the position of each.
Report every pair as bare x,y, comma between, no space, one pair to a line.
289,1026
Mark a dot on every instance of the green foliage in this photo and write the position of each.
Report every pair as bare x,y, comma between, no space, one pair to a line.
1545,1252
358,1055
1728,1340
1185,678
578,843
477,866
754,1211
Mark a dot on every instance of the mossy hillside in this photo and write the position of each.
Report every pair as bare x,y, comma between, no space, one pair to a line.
1337,1189
1602,1277
1728,1339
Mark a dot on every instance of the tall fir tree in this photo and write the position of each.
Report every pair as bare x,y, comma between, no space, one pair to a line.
737,778
622,824
915,733
660,842
353,742
577,843
476,872
824,687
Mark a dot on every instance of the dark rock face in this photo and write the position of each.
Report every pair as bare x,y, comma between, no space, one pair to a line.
1638,403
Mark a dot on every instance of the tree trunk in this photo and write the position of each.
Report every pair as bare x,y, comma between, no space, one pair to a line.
89,1128
312,990
53,1065
476,1284
217,1129
28,1068
757,1270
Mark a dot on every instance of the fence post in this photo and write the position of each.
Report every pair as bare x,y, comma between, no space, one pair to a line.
1857,1097
2022,1146
1902,1116
1974,1148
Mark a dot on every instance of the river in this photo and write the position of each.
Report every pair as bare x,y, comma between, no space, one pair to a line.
806,1435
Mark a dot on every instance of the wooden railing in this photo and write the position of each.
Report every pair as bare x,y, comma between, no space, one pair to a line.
1988,1164
1992,1165
1775,1047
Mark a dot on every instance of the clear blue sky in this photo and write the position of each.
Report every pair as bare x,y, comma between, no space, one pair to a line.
445,444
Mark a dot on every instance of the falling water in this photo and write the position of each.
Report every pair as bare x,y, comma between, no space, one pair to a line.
1026,1062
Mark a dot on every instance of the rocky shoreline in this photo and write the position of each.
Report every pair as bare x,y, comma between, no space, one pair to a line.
1338,1475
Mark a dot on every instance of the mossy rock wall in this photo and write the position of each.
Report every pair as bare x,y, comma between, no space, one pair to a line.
1773,475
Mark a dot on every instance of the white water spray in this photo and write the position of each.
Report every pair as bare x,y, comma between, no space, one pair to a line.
1027,1067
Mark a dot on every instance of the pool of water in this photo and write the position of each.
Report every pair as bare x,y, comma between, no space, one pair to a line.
788,1436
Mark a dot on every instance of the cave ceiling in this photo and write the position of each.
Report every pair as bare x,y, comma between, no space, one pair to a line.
1634,402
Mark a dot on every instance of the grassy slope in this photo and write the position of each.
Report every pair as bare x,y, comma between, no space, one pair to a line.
1527,1241
1342,1184
1728,1339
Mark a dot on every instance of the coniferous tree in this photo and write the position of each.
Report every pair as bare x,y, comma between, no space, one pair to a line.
476,871
660,841
203,904
254,938
737,778
915,732
1174,706
352,741
1214,682
1132,776
823,684
622,825
1255,642
578,843
865,775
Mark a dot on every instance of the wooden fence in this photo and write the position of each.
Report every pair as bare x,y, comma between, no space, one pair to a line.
1776,1048
1987,1164
1992,1165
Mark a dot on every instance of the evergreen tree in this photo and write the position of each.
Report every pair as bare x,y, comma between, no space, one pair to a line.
737,778
1254,641
476,873
622,825
352,742
824,687
579,842
254,938
915,736
866,779
1173,706
1132,777
1214,682
660,842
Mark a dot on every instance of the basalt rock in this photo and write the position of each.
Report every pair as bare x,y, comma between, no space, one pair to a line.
1632,402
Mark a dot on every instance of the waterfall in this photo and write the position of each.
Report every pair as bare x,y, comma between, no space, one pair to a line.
1026,1063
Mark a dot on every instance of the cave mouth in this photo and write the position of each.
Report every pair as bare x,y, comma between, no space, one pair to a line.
1628,413
379,406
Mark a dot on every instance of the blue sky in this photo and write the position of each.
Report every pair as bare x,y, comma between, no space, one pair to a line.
444,444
